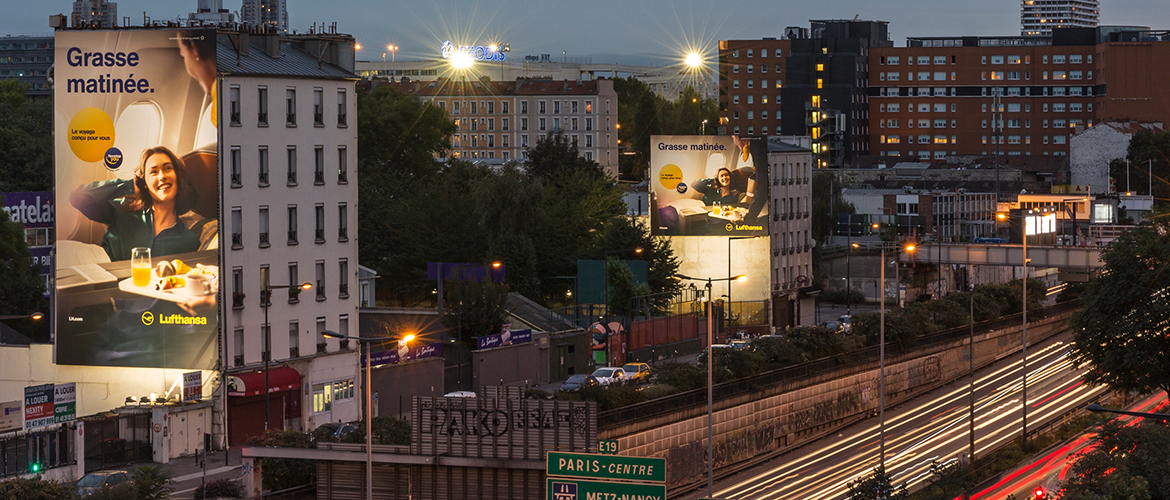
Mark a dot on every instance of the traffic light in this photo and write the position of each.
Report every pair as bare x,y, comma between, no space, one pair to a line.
34,467
1040,493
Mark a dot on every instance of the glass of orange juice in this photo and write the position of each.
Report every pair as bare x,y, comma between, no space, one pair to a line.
140,265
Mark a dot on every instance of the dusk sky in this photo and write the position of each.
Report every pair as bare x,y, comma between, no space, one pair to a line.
622,31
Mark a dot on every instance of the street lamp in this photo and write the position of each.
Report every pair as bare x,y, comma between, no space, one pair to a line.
34,316
1027,218
266,301
703,128
1074,214
882,354
710,366
392,49
369,409
1160,416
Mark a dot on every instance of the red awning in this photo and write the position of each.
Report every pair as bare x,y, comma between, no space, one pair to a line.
252,383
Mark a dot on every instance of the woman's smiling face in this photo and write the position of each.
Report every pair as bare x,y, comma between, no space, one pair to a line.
161,179
724,178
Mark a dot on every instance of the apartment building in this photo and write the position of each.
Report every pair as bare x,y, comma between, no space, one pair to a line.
27,59
790,193
1039,17
502,119
95,13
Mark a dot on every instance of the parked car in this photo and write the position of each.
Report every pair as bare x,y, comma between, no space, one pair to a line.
637,371
832,326
102,480
846,322
741,345
578,382
607,375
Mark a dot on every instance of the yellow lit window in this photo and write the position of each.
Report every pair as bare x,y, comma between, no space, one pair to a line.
824,50
816,101
820,83
816,133
764,99
820,67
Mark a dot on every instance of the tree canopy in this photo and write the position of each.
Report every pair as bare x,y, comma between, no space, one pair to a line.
644,114
1127,461
26,140
1120,332
537,218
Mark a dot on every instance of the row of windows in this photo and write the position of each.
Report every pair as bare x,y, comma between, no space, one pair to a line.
1010,59
290,103
294,340
26,46
985,91
294,292
751,84
264,238
236,166
751,68
25,59
489,107
751,115
325,394
751,52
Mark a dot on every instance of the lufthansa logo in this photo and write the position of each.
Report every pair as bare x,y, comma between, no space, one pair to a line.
730,226
113,158
147,318
681,188
447,49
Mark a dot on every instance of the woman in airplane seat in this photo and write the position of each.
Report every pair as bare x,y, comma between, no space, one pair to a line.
718,189
151,210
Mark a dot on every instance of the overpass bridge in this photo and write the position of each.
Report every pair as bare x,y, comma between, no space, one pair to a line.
1068,258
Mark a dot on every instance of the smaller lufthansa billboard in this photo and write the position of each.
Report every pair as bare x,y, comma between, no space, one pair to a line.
704,185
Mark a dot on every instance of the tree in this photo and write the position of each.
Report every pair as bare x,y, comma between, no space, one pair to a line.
876,485
475,309
36,489
1147,149
621,288
26,139
152,482
22,290
1120,332
1128,461
285,473
388,429
827,204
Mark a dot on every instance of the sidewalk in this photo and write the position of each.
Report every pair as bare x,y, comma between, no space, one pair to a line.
188,474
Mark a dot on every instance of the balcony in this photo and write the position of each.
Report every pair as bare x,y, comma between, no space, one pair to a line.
238,300
321,347
319,177
318,118
262,119
294,352
342,234
320,290
294,295
341,120
343,290
265,298
236,180
238,360
292,237
292,178
237,241
290,119
344,344
266,356
263,178
320,236
342,177
263,240
235,118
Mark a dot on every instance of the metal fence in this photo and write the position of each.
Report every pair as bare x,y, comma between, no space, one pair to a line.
698,397
37,451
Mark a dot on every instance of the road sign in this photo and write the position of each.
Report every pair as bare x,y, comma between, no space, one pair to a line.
606,467
571,489
607,446
38,406
65,402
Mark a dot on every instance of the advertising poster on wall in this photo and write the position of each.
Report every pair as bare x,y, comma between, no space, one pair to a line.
705,185
136,174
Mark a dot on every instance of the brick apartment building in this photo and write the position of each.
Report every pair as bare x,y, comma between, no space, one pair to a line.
947,96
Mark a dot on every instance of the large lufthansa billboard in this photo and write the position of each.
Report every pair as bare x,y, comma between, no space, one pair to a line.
137,203
704,185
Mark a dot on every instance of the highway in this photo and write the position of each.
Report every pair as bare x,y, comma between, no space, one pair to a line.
931,429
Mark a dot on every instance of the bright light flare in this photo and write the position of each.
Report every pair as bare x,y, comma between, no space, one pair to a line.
462,59
693,60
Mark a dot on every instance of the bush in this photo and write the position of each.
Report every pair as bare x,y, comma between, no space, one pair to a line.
152,482
36,489
284,473
220,488
388,429
536,393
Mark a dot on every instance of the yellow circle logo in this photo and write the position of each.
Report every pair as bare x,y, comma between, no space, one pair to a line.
730,226
147,318
670,176
91,134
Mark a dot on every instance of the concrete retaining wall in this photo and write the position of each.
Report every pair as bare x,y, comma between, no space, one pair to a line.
803,410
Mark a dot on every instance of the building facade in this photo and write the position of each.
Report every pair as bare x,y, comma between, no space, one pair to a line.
816,83
27,59
212,11
790,229
1039,17
267,13
95,14
500,120
289,157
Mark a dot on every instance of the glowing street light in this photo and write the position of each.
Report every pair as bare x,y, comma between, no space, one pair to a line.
693,60
462,59
392,49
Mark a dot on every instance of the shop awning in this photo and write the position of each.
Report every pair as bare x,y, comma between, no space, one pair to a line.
252,383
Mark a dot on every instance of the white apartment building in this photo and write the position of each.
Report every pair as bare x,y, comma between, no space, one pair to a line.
790,169
1038,17
288,212
95,13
